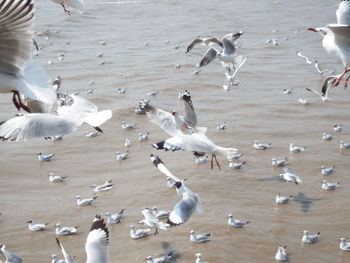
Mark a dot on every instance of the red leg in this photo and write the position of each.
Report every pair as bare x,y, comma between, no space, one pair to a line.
65,10
336,83
347,81
212,162
216,160
18,102
14,100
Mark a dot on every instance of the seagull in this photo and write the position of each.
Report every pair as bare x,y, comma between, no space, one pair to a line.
344,245
159,214
143,137
221,126
92,134
307,60
84,202
10,257
290,176
199,238
121,156
329,186
226,56
127,126
327,170
152,92
54,259
307,238
323,96
261,146
115,218
56,178
336,40
162,259
295,149
199,258
236,222
67,258
107,185
79,4
127,143
281,254
20,74
151,221
236,165
318,68
343,13
282,199
236,156
303,101
327,137
65,230
337,127
139,233
45,158
344,145
279,163
287,91
36,227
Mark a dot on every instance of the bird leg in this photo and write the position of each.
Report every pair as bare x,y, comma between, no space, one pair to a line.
98,129
347,81
18,102
211,162
336,83
216,160
65,10
156,232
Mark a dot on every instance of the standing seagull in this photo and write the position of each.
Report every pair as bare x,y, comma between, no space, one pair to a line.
336,40
79,4
10,258
19,74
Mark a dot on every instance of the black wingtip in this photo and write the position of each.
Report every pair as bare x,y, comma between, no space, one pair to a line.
99,223
156,160
159,145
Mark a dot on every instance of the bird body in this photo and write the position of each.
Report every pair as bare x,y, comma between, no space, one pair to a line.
327,170
84,202
290,176
307,238
45,158
65,230
199,238
344,145
36,227
281,254
296,149
107,185
234,165
279,163
261,146
236,222
329,186
56,178
162,259
282,199
344,245
139,233
115,218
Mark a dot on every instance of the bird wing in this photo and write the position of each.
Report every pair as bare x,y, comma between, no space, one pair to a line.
208,57
341,35
193,43
183,209
66,256
215,41
160,165
35,125
229,47
79,4
190,115
343,13
16,41
162,118
96,245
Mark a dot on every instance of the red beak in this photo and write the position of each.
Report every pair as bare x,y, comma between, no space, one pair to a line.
312,29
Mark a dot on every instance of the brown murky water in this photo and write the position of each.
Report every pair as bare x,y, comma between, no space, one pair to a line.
256,109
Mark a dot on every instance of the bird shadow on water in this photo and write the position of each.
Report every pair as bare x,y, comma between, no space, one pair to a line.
168,248
304,201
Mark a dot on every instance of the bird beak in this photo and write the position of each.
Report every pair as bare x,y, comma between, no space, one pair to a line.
312,29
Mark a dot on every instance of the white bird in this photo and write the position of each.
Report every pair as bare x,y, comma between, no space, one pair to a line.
287,91
143,137
201,159
221,126
343,13
36,227
303,101
318,68
307,60
170,182
159,214
344,145
18,72
199,258
96,245
337,127
45,158
290,176
329,186
327,137
121,90
54,259
307,238
282,199
151,221
327,170
324,94
121,156
139,233
127,126
344,245
127,143
162,259
279,163
281,254
115,218
235,156
236,165
336,41
107,185
78,4
296,149
67,258
152,92
84,202
10,257
236,222
65,230
199,238
56,178
261,146
92,134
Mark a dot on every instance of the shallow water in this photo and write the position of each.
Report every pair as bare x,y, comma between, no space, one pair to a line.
256,109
